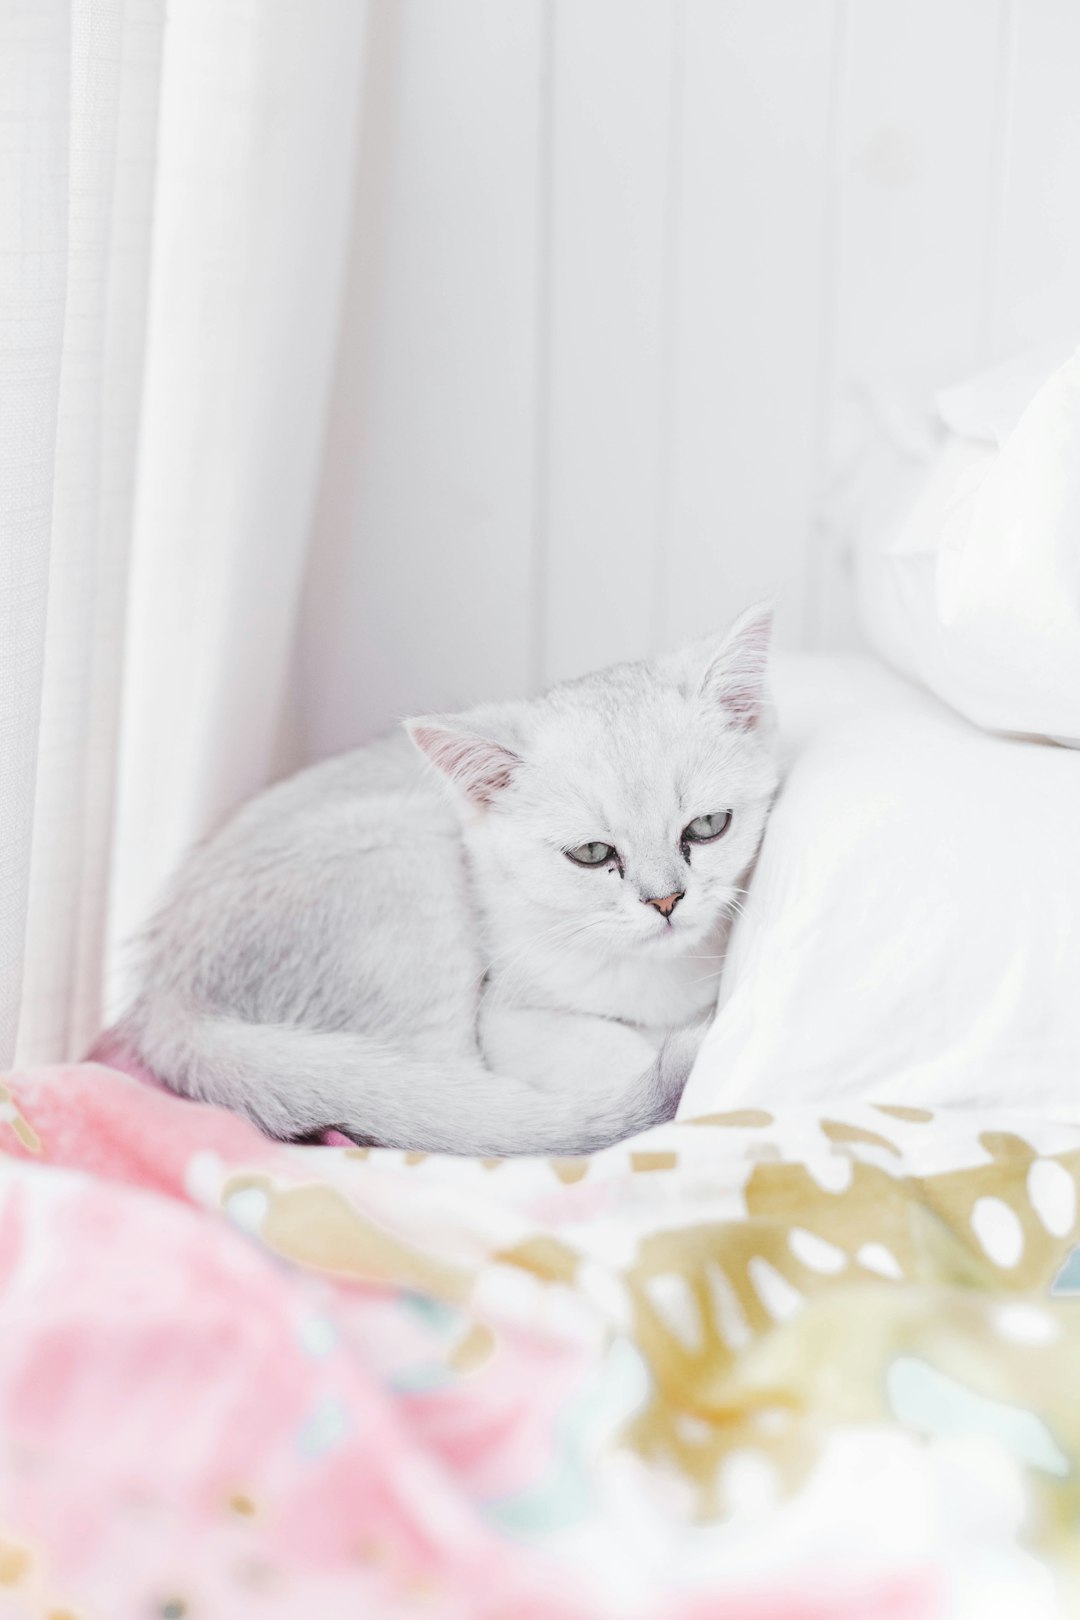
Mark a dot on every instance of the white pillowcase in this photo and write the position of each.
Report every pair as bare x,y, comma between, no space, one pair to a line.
977,593
911,933
990,405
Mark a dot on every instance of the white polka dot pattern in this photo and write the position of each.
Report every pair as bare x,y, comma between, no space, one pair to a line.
998,1229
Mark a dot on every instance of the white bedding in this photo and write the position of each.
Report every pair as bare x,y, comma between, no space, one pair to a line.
976,591
912,932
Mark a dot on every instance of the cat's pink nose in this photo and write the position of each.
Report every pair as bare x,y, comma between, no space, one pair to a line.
666,905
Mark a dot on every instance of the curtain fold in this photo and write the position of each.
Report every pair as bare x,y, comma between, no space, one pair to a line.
115,52
35,54
175,194
257,151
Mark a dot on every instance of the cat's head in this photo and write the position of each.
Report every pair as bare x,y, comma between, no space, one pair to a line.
628,803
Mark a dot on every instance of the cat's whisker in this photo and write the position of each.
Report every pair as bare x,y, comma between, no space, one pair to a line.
545,934
560,933
574,929
565,927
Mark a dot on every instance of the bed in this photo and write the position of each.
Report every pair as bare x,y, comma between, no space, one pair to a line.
809,1351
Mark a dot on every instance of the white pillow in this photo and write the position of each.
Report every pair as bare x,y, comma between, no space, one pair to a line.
911,931
977,593
990,405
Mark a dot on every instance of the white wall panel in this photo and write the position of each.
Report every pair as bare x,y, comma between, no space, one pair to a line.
747,315
1037,285
631,280
420,595
613,65
913,218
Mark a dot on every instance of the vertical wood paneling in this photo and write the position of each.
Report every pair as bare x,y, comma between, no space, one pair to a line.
748,303
1037,293
420,591
631,278
914,176
612,81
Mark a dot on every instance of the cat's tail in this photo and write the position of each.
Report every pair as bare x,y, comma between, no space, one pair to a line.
295,1083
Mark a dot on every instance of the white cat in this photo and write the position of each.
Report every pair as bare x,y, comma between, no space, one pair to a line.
509,946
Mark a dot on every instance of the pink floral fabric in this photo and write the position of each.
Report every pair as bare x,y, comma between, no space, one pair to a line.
199,1423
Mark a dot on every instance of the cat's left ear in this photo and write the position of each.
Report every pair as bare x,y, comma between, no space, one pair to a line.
733,675
478,768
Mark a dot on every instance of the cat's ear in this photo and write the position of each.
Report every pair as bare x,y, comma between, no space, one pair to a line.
477,767
731,674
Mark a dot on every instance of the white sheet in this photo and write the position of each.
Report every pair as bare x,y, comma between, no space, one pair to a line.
977,591
912,933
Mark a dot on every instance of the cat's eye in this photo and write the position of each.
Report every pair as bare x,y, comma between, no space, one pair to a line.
591,854
703,829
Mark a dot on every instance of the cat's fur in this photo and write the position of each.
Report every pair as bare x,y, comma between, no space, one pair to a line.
407,954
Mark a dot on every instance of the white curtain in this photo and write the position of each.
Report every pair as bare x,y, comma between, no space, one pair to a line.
174,206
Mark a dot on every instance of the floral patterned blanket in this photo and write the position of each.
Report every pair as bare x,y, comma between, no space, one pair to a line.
800,1365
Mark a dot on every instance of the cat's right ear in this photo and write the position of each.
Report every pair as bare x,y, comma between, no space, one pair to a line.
476,767
730,672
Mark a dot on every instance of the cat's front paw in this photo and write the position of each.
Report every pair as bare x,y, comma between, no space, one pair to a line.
677,1057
